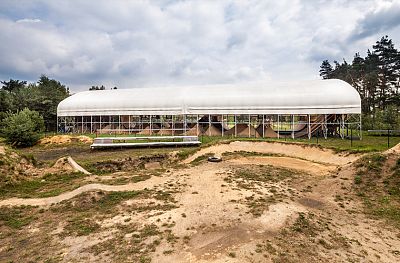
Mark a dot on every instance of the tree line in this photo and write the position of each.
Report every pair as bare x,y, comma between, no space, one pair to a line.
102,87
42,97
376,77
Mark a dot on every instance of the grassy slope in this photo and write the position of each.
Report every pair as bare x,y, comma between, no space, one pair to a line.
377,182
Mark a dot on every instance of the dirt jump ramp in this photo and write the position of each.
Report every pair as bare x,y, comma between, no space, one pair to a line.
76,166
301,151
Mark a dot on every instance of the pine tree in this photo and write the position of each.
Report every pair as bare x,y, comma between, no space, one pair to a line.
387,75
370,81
325,70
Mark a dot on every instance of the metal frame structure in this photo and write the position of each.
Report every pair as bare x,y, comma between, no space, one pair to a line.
244,125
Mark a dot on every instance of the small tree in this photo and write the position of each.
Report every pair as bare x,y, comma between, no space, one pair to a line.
390,117
23,128
326,70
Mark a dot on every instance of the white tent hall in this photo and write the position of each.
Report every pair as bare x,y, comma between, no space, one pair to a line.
259,109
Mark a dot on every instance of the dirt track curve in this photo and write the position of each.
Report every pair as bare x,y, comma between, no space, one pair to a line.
312,160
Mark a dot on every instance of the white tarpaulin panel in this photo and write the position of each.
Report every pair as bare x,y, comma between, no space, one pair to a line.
302,97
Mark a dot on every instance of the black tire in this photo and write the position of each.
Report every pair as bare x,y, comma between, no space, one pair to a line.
214,159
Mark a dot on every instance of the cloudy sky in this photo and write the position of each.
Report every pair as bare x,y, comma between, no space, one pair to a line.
154,43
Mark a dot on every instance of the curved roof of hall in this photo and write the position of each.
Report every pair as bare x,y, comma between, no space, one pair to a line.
302,97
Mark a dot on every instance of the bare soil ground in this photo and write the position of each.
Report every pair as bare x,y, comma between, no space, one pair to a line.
265,202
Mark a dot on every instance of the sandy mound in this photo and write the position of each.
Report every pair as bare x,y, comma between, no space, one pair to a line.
2,150
146,131
394,150
165,132
64,139
58,139
193,130
85,139
242,130
212,131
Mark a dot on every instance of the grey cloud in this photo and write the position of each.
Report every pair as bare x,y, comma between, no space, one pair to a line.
145,43
378,21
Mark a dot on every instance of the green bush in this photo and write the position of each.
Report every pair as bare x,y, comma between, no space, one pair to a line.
382,120
357,179
22,128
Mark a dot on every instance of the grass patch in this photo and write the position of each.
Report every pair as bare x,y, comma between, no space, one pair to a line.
45,186
137,248
304,225
105,204
80,226
15,218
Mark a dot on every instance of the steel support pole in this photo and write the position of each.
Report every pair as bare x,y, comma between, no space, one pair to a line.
184,124
173,125
249,125
235,126
209,124
292,126
360,128
151,126
263,126
309,127
197,126
82,124
222,125
278,125
342,126
129,124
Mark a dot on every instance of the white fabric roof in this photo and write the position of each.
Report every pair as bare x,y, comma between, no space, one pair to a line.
302,97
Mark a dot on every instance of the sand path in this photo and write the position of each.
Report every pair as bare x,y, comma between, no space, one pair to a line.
86,188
